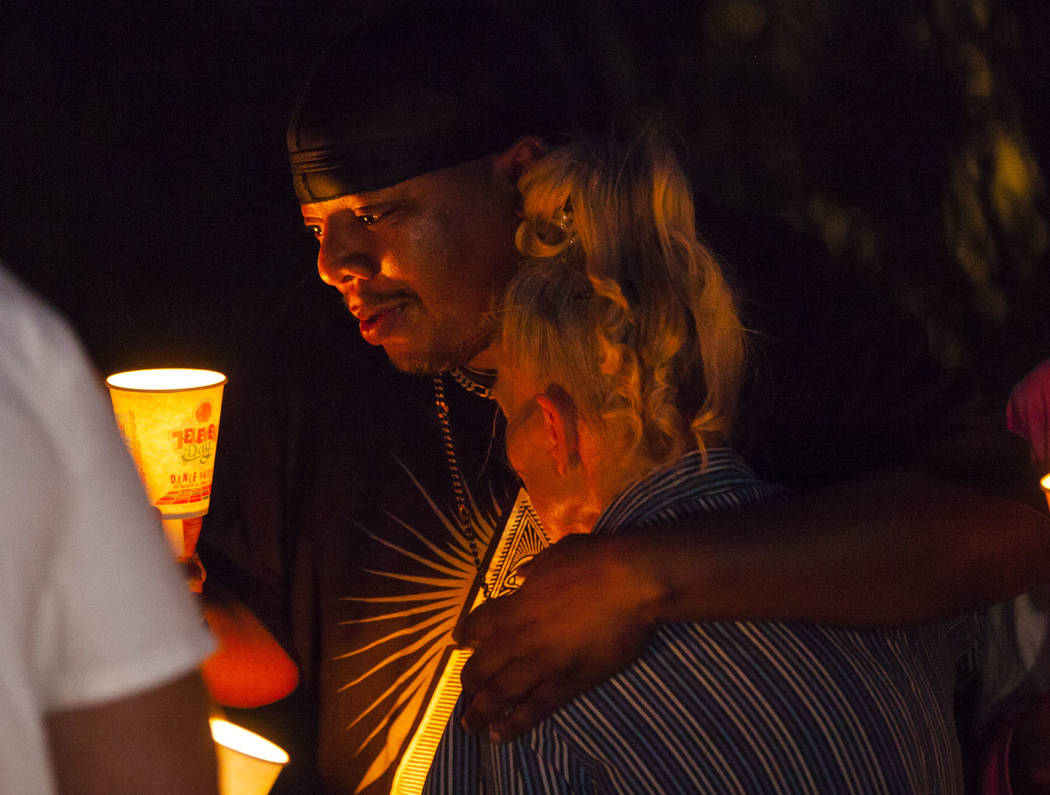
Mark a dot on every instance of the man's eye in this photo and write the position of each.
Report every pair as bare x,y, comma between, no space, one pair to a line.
367,219
315,231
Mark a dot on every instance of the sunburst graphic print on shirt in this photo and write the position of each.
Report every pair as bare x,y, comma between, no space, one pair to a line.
436,595
522,539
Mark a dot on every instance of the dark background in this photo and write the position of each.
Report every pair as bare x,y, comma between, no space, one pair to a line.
145,189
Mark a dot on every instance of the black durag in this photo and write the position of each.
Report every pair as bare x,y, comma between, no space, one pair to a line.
417,88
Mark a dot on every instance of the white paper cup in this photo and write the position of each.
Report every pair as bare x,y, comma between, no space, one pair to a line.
169,419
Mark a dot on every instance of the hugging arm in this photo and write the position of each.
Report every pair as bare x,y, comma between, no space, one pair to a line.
931,509
892,548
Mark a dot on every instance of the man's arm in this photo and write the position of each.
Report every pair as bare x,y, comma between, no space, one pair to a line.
889,549
156,741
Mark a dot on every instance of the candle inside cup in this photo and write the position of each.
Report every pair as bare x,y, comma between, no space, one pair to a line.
248,764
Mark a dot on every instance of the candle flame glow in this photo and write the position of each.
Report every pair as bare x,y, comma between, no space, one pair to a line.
170,379
246,742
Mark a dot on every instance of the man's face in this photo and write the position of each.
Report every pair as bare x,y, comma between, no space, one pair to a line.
421,264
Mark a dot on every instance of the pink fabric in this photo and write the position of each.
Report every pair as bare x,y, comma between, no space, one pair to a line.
1026,415
995,767
1027,412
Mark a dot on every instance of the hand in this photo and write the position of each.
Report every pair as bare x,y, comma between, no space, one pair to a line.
190,562
193,571
249,668
580,617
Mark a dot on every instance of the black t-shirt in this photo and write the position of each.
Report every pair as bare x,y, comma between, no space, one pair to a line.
334,518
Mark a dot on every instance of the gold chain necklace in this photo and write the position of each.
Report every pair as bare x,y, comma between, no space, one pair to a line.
459,489
469,384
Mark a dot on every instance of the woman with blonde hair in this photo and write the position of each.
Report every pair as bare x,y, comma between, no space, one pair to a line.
622,301
621,358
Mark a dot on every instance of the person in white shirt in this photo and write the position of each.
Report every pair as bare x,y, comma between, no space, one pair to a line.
100,640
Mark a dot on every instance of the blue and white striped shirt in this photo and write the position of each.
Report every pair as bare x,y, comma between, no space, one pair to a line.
734,707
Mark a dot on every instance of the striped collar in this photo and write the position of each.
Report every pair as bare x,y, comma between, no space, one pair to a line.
676,483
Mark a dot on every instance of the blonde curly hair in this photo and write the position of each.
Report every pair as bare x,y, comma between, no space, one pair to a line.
619,302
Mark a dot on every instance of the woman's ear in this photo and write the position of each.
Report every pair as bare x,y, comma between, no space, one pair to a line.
559,423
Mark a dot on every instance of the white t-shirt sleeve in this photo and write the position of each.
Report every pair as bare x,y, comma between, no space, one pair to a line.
113,616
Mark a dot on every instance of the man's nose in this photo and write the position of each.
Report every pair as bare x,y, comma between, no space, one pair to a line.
346,253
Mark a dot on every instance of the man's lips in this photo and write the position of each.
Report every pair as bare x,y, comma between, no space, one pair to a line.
377,324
